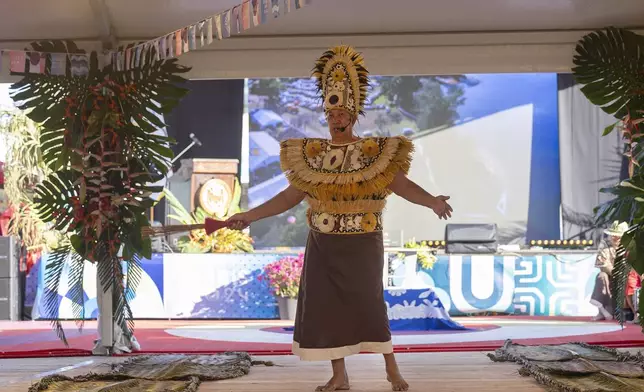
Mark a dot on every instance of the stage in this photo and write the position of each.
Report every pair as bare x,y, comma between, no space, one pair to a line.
36,339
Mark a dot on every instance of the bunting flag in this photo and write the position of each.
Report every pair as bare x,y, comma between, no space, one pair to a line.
236,20
225,24
256,11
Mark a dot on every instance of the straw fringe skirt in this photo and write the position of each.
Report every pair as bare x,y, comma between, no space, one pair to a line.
341,309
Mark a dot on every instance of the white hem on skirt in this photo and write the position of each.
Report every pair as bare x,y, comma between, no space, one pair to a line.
329,354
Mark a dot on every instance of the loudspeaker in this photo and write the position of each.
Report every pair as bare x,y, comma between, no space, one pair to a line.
10,293
470,238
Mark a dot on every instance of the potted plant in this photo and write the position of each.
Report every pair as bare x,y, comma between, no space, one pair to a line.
610,65
283,279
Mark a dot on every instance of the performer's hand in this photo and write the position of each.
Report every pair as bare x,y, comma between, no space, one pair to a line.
441,207
239,221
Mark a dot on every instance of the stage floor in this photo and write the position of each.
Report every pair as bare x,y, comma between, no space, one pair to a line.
36,338
454,372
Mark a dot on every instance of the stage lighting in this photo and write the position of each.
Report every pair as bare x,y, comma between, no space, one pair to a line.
562,243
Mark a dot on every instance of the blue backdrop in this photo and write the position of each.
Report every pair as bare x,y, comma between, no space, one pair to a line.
498,92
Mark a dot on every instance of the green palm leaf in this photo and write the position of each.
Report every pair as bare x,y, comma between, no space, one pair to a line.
53,198
610,65
75,284
53,273
619,278
45,97
180,213
630,255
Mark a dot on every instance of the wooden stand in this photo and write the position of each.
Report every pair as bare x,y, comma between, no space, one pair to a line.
205,183
212,184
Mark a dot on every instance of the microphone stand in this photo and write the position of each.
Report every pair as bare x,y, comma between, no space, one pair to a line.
195,142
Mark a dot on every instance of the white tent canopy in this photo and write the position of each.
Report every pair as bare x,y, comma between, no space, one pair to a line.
397,37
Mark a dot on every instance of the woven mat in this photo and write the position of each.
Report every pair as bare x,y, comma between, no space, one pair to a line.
107,383
167,373
182,367
576,367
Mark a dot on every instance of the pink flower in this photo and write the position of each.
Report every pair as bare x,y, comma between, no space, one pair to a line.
283,276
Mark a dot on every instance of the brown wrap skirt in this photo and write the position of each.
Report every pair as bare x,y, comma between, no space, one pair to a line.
341,308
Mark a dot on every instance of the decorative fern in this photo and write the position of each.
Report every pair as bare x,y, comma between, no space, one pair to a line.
97,138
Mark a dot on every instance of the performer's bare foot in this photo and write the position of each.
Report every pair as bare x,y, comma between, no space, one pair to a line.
397,381
340,379
335,384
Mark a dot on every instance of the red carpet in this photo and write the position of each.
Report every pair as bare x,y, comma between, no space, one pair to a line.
36,339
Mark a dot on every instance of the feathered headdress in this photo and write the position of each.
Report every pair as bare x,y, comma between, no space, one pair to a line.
342,79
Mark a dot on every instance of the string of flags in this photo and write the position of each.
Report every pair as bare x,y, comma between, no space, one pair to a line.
242,17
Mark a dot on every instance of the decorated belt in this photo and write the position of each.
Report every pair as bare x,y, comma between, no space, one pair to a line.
345,223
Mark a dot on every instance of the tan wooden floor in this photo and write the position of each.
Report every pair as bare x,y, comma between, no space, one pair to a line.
449,372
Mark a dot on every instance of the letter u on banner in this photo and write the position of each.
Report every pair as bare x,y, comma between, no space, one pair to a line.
480,283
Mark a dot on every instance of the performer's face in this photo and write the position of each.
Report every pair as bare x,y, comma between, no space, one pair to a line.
614,240
340,122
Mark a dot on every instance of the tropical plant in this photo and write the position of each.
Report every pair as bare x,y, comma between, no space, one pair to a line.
609,64
425,257
283,276
97,139
24,170
221,241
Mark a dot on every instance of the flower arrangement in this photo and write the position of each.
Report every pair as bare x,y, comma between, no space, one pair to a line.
426,256
102,157
283,276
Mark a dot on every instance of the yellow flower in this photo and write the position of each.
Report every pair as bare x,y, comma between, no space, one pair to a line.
338,75
370,148
312,149
369,222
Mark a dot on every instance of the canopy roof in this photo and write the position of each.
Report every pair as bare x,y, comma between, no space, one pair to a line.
401,37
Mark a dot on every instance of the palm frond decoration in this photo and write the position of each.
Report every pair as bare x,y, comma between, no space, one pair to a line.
97,139
609,63
619,278
53,273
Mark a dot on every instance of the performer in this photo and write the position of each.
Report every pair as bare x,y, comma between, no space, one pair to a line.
345,180
602,296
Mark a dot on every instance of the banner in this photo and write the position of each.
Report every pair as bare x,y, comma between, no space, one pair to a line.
226,286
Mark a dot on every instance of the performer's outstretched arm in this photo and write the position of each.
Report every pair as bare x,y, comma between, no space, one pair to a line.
282,202
412,192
